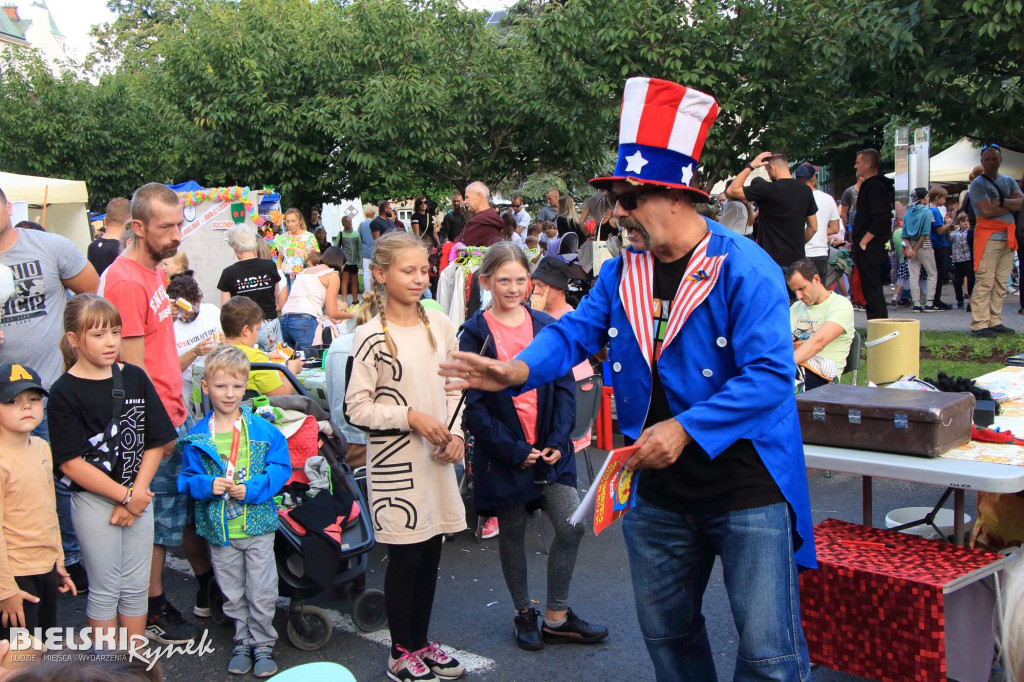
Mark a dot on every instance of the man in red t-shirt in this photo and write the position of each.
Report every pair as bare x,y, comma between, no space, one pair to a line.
132,283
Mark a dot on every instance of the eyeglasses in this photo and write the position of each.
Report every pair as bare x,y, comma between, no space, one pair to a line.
628,200
517,205
991,146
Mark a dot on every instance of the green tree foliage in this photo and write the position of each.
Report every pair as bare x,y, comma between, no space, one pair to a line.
115,134
390,98
957,65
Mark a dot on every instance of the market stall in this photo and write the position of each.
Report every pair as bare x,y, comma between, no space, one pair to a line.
209,214
57,204
864,611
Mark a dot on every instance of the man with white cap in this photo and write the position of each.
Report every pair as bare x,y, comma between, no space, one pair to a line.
697,325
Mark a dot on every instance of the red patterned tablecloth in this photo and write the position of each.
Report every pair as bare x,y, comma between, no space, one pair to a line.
877,611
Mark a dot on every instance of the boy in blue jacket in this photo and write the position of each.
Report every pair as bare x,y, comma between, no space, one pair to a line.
233,465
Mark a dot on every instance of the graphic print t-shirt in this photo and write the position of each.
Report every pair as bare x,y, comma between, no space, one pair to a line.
80,410
32,319
253,278
139,295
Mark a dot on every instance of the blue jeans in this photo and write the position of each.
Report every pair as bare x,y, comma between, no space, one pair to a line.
298,330
68,539
671,556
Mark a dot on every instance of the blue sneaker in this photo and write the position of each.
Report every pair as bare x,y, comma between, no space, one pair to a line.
265,665
241,660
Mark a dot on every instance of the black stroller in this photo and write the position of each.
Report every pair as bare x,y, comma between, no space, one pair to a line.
310,627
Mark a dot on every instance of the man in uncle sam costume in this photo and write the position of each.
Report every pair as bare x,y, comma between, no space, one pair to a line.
696,319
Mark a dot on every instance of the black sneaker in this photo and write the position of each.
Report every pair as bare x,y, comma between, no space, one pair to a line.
1002,329
168,627
942,306
983,333
78,577
527,634
574,630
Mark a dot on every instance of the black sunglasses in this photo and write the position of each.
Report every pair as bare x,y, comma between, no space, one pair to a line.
628,199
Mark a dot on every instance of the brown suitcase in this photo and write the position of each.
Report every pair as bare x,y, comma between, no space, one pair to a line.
886,419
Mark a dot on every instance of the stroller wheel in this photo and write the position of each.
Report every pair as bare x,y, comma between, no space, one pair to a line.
368,611
309,628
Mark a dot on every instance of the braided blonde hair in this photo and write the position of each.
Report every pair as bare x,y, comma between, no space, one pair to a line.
385,251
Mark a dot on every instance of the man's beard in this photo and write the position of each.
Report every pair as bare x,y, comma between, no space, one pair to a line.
631,224
164,254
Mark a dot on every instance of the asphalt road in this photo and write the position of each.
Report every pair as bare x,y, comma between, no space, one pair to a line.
473,611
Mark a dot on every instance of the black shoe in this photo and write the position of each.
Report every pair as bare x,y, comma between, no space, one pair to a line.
942,306
1001,329
168,627
202,607
78,577
983,333
527,634
574,630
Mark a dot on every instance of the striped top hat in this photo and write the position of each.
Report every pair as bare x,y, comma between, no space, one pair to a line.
661,135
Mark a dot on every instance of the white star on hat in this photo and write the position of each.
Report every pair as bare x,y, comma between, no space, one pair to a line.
687,175
636,163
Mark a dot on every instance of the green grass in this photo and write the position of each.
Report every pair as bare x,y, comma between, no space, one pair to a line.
961,346
955,353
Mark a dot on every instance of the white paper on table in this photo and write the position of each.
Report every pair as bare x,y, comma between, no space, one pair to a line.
586,509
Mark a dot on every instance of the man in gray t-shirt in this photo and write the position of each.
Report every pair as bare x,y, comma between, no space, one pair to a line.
995,198
45,267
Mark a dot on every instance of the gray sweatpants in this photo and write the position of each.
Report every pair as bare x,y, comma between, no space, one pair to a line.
559,502
247,575
117,558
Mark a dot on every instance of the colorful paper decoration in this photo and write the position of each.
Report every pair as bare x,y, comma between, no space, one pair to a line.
239,196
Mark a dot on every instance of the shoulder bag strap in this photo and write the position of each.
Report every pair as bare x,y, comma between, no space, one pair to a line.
996,185
117,395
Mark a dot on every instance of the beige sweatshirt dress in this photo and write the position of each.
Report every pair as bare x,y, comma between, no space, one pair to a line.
413,497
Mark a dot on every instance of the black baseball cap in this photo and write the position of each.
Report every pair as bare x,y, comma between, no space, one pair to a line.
553,271
15,378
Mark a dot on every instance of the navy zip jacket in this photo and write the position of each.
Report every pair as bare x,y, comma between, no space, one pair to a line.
500,446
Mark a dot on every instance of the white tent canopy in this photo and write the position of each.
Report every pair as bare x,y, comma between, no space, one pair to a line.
65,200
956,163
720,186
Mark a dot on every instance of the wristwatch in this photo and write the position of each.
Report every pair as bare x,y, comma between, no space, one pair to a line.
750,166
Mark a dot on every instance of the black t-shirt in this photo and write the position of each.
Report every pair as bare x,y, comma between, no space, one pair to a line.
421,223
736,479
254,278
80,410
102,252
783,207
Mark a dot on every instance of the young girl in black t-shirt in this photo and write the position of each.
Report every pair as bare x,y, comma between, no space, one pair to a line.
110,462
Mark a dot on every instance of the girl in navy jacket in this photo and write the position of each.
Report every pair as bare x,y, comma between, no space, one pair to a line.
524,458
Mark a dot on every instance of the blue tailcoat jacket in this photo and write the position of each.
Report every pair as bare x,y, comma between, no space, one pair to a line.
728,372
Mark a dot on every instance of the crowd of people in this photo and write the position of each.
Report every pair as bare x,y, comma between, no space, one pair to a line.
695,312
969,239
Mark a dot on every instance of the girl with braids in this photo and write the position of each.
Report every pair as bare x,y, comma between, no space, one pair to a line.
396,395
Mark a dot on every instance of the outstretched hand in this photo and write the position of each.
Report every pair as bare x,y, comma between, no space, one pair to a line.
468,370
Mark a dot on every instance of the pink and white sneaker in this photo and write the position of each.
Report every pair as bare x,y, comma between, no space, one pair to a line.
440,663
409,668
490,529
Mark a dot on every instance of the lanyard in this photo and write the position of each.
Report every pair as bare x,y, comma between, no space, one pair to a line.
236,439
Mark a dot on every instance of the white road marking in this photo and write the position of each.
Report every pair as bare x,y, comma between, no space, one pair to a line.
342,621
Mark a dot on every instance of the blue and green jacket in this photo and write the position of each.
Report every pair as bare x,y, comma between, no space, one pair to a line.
269,469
